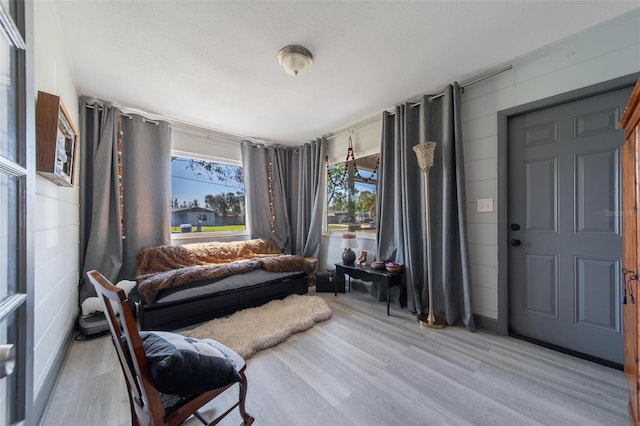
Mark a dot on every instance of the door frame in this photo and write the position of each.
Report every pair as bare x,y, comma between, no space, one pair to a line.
501,325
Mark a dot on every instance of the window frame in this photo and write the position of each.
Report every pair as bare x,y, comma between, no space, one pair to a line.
16,20
325,222
208,235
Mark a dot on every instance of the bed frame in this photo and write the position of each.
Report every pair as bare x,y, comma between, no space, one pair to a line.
182,313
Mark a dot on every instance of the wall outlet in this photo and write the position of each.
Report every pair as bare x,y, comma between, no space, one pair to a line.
485,205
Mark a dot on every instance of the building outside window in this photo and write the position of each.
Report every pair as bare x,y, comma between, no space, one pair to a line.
206,196
351,195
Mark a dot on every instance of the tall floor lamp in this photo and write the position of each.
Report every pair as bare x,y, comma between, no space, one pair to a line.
425,154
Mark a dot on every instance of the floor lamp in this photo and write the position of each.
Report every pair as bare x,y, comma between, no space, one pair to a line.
425,154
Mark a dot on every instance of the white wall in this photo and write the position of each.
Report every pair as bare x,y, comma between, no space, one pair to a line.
596,55
57,217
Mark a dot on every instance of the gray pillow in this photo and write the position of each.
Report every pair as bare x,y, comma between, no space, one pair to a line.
183,365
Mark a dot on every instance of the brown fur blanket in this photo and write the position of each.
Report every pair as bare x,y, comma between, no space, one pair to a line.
166,258
170,267
151,285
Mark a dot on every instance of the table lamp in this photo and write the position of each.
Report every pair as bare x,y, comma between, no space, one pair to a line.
349,242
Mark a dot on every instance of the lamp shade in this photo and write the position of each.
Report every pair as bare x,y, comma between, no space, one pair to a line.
295,59
349,241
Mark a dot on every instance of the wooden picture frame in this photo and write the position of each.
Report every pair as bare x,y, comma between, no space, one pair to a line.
57,140
362,258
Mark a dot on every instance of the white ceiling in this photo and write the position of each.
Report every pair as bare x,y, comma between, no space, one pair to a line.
213,63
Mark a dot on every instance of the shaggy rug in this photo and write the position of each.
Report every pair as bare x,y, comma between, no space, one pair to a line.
251,330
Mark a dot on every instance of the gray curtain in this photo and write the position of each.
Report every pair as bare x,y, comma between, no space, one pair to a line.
297,185
255,162
307,197
438,121
147,188
146,174
100,233
399,202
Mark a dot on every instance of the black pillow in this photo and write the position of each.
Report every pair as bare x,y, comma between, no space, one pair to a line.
183,365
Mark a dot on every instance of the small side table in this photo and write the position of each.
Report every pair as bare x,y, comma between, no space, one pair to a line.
379,276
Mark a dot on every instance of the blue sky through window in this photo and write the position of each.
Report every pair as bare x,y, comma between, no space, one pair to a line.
188,184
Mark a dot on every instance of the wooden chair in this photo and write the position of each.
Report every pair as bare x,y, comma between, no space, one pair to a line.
148,405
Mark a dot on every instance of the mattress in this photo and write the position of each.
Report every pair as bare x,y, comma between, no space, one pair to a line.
222,285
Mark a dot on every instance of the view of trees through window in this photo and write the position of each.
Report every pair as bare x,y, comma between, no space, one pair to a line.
206,196
351,195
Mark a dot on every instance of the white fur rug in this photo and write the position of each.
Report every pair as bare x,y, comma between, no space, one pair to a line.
251,330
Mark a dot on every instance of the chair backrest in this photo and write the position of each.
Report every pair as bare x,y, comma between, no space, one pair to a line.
145,399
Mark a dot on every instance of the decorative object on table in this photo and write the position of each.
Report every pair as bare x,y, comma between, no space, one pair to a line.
394,267
378,264
425,155
362,258
57,140
349,242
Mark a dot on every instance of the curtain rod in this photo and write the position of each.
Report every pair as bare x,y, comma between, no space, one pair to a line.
431,98
473,81
181,124
144,119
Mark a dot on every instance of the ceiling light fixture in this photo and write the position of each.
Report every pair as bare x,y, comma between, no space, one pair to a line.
295,59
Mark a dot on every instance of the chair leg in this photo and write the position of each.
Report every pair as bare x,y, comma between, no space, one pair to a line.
246,417
199,417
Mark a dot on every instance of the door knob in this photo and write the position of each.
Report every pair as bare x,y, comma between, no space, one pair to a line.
7,360
515,227
515,242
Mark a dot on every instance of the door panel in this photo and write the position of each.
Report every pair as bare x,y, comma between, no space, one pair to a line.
597,192
542,284
597,304
564,191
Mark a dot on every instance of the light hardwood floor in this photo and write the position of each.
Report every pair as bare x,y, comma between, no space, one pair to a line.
364,368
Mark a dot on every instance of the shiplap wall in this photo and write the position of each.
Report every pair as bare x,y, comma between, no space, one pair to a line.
57,221
592,56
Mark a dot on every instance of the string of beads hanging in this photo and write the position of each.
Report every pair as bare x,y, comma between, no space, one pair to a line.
356,172
120,179
271,207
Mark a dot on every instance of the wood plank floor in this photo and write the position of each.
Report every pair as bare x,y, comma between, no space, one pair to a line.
364,368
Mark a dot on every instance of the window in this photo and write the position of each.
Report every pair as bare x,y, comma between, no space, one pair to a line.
351,195
16,230
206,196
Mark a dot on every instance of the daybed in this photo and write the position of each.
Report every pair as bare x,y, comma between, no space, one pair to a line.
191,283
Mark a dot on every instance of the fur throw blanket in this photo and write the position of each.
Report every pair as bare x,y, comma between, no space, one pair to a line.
170,267
165,258
151,285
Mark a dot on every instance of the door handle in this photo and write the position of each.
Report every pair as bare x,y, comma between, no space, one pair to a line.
628,289
515,242
7,360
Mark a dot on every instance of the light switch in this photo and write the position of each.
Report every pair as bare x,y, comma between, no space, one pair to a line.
485,205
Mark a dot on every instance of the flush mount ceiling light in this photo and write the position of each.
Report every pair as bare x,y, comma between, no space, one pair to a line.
295,59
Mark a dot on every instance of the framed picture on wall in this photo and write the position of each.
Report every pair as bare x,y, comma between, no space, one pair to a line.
57,140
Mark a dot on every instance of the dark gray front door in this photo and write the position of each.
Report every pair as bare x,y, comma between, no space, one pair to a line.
565,225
